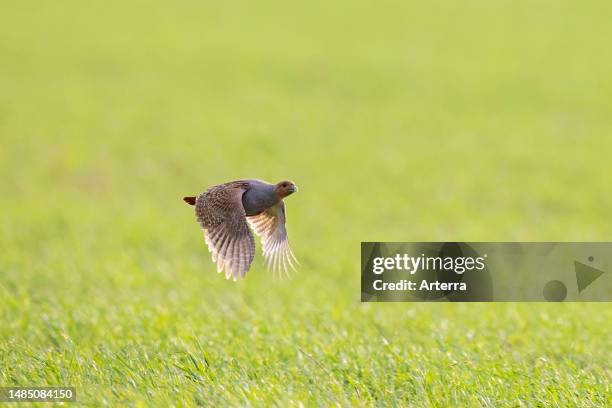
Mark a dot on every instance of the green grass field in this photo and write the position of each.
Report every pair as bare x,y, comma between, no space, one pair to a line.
449,121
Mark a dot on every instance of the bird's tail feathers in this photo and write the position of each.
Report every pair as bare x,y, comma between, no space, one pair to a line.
189,200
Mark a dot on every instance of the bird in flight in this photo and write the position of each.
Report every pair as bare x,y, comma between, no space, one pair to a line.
225,212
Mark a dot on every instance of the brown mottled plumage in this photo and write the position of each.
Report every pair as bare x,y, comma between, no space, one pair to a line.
225,212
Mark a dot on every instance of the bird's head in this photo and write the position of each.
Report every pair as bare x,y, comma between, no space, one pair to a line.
285,188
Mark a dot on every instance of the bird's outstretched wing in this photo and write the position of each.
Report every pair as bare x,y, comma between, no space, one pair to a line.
270,226
220,212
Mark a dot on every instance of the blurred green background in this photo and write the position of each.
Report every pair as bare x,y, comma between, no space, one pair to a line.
399,121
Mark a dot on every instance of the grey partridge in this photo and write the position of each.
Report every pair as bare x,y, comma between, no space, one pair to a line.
225,211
